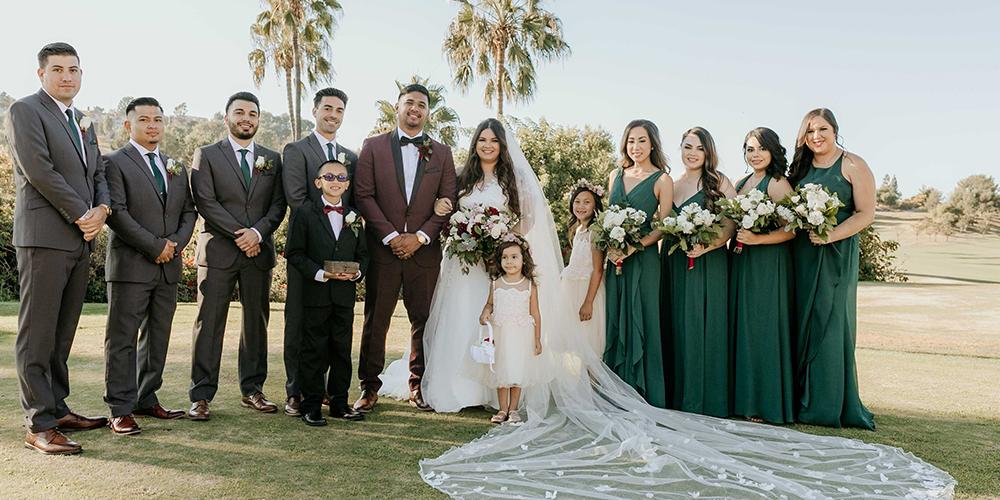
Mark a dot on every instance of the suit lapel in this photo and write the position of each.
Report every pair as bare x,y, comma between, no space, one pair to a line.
397,158
326,221
255,174
134,155
421,164
166,199
50,105
314,145
227,152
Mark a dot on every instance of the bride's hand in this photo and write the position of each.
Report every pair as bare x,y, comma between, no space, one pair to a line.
442,207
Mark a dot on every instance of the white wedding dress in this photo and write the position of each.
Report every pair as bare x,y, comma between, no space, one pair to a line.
590,435
453,325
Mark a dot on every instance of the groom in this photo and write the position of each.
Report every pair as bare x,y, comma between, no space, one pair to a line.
399,175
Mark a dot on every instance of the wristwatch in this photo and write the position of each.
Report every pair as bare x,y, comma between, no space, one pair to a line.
106,209
422,239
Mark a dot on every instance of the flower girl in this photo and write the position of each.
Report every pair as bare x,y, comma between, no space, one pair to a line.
580,284
512,309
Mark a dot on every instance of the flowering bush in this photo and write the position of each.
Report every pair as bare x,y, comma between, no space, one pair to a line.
473,233
618,228
810,207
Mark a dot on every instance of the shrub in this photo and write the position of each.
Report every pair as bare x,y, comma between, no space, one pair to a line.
877,258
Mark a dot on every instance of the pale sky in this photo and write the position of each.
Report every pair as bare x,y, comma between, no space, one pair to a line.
913,84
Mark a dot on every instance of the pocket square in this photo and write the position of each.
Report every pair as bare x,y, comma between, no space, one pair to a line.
431,170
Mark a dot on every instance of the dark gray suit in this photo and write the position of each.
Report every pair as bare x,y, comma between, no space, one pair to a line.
142,294
300,164
226,205
55,187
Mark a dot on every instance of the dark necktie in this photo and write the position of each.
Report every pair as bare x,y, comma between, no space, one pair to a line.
327,209
329,152
158,176
245,167
72,128
416,141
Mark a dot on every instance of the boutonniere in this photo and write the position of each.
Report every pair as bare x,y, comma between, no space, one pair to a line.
84,124
425,150
173,168
342,158
262,165
354,221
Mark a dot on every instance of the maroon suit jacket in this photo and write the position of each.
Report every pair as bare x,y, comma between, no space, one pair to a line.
380,194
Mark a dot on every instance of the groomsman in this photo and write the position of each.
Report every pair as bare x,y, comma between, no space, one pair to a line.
152,219
237,189
299,168
62,202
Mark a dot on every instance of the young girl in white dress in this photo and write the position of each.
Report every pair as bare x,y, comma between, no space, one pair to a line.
512,309
580,284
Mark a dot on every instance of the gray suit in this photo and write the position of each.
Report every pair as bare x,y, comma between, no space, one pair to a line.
226,205
142,294
55,187
300,164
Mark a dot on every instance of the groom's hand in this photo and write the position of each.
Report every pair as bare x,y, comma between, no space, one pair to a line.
407,246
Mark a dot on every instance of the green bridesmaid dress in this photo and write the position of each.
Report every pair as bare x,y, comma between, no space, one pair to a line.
633,344
702,343
762,318
826,284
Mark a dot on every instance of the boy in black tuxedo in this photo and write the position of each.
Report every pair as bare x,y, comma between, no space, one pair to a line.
327,230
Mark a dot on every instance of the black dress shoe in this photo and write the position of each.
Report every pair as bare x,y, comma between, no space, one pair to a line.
346,412
314,418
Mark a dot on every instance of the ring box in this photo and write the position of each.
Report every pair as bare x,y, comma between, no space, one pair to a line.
341,267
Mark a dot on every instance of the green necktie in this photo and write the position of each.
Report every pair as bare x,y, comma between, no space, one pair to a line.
245,167
72,128
329,152
157,175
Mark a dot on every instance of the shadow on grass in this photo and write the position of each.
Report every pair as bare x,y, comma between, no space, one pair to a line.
956,278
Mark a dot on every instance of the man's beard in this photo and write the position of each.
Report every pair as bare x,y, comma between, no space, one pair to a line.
234,128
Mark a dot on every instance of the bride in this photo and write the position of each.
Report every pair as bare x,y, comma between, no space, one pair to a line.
497,175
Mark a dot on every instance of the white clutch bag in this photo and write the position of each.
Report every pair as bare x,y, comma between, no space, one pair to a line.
483,351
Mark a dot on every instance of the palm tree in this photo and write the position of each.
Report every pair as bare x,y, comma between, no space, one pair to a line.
495,39
442,121
290,34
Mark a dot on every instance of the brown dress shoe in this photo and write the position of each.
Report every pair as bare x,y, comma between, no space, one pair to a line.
158,411
124,425
75,422
292,406
260,403
199,410
51,442
417,401
367,401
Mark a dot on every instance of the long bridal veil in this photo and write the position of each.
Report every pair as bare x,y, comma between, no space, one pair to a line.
590,435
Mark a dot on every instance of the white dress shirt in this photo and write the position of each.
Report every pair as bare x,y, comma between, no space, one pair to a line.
322,145
62,109
158,162
337,223
411,160
250,160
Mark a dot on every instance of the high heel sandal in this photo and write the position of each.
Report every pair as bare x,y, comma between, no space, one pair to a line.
499,417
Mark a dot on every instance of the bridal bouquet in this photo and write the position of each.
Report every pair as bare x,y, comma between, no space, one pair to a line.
753,211
473,234
810,207
618,228
692,226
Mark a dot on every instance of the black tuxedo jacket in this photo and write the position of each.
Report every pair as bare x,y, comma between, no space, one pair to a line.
311,242
300,162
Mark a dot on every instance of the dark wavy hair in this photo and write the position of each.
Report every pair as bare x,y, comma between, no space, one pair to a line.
656,156
768,139
803,157
711,179
573,221
528,266
472,174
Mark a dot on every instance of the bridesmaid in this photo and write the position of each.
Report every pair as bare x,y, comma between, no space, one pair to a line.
761,297
698,297
826,278
633,348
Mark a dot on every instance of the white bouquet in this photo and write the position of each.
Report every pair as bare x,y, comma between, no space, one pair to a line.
692,226
473,234
618,228
810,207
753,211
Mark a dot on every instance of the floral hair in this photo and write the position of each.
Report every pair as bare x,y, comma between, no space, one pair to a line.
513,239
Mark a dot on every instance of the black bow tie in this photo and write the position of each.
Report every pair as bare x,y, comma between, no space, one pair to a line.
416,141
